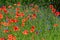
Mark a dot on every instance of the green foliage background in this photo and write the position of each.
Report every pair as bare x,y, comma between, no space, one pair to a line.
7,2
27,2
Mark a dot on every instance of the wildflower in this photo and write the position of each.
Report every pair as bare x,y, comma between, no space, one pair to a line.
36,32
17,13
21,14
4,9
32,29
51,6
53,10
1,16
18,4
25,32
11,37
57,13
13,20
55,25
5,23
5,31
34,16
16,28
15,4
2,38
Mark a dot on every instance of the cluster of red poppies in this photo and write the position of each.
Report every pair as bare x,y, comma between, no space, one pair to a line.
15,20
10,37
56,13
23,21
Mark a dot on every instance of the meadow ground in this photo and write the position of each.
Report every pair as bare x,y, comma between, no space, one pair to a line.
26,24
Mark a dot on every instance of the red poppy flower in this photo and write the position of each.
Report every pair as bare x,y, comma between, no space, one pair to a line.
6,11
1,16
13,20
2,38
3,7
51,6
18,4
16,28
32,30
5,31
17,13
33,27
5,23
25,32
11,37
34,16
57,13
53,10
55,25
10,20
21,14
